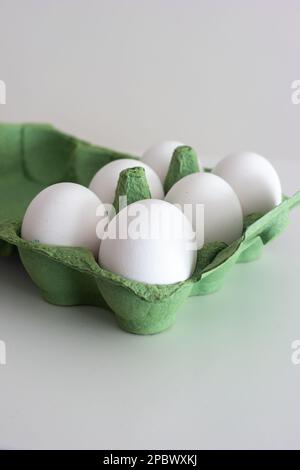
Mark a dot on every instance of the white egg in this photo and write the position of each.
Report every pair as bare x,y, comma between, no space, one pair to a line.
254,180
159,157
150,241
222,218
63,214
105,181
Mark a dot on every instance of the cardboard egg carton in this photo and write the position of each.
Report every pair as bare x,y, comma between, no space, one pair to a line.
34,156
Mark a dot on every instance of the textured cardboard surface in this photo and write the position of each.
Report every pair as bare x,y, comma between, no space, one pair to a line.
34,156
184,162
133,185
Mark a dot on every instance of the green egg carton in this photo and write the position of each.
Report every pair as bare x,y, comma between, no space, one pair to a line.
34,156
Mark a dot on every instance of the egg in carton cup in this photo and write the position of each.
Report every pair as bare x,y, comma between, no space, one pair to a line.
32,157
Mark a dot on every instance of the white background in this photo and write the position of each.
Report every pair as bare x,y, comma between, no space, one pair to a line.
125,74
